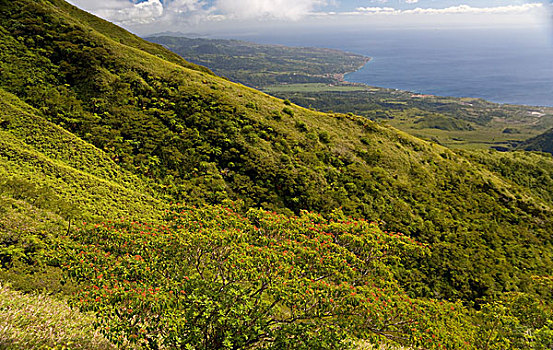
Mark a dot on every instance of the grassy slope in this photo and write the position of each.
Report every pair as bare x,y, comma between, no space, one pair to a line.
120,35
204,138
541,143
48,156
36,321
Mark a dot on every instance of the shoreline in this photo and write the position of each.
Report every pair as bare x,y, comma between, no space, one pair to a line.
418,94
341,76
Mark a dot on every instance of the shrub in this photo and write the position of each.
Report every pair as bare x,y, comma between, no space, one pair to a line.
324,137
288,111
218,280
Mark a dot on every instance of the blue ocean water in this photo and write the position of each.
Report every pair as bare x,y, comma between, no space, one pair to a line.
500,65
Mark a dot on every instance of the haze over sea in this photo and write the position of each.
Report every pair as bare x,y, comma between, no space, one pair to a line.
500,65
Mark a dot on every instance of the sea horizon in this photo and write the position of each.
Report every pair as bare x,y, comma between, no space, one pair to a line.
502,65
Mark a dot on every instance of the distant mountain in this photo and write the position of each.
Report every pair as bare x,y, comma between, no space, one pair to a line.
312,77
179,34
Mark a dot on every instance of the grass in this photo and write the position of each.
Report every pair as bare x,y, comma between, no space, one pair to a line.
482,137
39,321
48,156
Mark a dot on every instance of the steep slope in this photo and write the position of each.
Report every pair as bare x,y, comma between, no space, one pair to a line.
541,143
201,138
43,155
49,180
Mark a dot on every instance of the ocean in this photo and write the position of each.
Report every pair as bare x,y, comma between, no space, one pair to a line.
500,65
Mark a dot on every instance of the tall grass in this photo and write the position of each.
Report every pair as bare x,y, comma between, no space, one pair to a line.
39,321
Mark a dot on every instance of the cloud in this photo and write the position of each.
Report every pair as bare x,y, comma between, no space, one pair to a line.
150,16
276,9
130,13
123,11
375,10
140,12
461,9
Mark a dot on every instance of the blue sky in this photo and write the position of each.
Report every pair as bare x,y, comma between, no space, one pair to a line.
150,16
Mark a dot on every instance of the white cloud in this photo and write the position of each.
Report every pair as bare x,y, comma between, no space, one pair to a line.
145,12
277,9
127,13
123,11
461,9
375,10
476,10
411,1
153,16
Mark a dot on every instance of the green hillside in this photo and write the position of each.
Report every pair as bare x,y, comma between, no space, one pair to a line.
97,125
541,143
47,156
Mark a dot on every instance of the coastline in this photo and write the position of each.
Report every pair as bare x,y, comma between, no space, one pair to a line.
342,76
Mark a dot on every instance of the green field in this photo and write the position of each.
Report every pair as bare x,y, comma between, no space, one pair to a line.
454,122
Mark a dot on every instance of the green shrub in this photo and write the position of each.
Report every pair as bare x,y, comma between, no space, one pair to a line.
301,126
324,137
288,111
218,280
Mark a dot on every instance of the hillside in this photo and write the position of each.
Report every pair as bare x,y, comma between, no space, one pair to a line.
98,124
259,65
47,156
541,143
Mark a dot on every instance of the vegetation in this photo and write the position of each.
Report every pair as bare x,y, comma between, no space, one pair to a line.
98,126
218,280
38,321
464,123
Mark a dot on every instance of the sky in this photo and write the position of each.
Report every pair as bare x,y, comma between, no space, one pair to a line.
145,17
